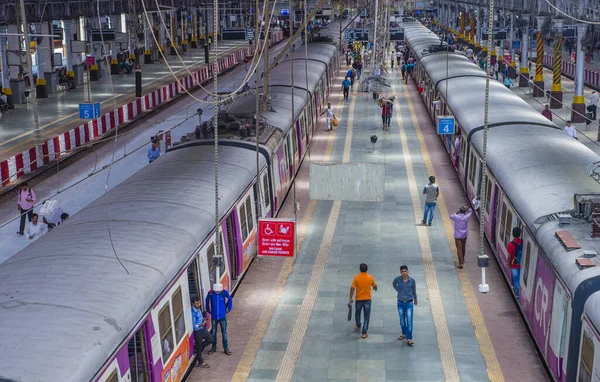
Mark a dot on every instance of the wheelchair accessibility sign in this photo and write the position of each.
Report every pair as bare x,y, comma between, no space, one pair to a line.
276,237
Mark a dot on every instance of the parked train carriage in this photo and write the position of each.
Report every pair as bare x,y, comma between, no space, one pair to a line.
535,171
588,364
96,280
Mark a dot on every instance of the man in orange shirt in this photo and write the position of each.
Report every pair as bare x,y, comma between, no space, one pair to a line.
362,283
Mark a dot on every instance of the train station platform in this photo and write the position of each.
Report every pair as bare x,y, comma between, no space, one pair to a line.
62,130
289,318
90,174
587,134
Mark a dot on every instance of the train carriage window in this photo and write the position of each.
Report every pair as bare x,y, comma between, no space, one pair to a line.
586,364
249,214
502,222
472,168
526,263
488,194
178,314
113,377
212,269
507,226
265,190
246,218
463,151
166,334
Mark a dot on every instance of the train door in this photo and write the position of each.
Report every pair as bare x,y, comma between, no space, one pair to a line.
264,198
194,285
139,357
559,323
495,213
232,248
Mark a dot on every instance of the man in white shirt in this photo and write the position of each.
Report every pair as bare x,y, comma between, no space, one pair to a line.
329,115
35,229
570,130
593,104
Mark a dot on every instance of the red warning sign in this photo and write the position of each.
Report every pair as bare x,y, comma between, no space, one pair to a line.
276,237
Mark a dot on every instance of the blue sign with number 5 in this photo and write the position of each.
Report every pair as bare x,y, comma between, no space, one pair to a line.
89,110
445,125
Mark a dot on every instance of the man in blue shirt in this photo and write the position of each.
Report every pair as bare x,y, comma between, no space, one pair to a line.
407,299
202,337
153,153
218,304
346,88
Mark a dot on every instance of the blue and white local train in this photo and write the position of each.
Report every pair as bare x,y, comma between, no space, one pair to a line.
536,176
105,297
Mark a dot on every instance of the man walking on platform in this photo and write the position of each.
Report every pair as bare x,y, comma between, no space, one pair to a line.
432,191
346,88
329,116
362,283
407,299
593,106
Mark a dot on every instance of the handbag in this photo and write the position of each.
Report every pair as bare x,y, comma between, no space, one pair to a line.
335,121
589,108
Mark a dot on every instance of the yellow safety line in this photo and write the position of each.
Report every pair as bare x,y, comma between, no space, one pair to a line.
290,357
201,65
245,365
433,289
258,333
481,333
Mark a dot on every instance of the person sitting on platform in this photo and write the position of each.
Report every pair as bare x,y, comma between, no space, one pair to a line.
35,229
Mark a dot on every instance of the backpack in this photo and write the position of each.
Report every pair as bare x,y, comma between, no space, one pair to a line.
518,252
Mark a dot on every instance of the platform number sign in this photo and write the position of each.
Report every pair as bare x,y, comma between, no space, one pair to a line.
445,125
89,110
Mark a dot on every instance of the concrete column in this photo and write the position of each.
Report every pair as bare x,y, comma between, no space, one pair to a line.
115,23
538,91
556,98
524,75
173,20
512,39
578,110
194,28
6,69
162,32
47,78
478,25
67,36
16,81
132,32
184,31
147,42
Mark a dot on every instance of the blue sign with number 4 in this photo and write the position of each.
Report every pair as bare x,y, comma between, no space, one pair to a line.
445,125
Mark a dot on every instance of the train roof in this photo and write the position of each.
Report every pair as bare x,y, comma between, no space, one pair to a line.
66,297
539,167
316,51
282,76
564,262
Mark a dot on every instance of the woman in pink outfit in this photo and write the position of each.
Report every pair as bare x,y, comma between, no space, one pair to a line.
25,202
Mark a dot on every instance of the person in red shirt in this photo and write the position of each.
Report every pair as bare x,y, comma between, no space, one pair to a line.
514,249
547,113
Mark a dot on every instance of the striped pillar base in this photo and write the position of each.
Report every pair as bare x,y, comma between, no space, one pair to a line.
578,109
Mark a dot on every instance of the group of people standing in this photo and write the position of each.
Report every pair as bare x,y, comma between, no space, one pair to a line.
30,224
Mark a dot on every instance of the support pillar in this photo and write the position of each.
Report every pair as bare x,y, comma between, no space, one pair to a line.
173,18
478,31
162,34
557,94
473,26
462,24
5,68
147,42
114,62
44,65
538,90
578,107
524,75
194,28
184,35
67,37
